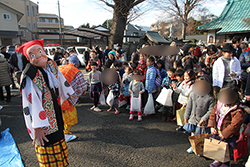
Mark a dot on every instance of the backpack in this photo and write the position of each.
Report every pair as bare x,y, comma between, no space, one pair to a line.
158,77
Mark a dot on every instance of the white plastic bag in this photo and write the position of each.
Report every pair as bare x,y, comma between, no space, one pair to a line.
110,98
135,103
165,97
149,108
121,101
102,98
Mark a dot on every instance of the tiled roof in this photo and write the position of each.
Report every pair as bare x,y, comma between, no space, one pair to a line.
232,19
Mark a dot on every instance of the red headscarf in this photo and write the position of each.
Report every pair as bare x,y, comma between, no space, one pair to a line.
24,47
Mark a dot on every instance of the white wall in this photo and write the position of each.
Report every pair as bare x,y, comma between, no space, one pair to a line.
8,25
211,33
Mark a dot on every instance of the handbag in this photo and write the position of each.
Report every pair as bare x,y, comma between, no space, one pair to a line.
197,142
102,98
165,97
216,150
180,116
189,127
149,108
241,146
110,98
247,130
135,103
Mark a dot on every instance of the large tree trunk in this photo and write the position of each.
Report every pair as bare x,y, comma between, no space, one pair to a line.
183,32
118,27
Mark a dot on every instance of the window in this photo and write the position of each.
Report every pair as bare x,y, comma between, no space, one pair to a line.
54,21
28,11
211,39
34,25
6,16
33,11
29,25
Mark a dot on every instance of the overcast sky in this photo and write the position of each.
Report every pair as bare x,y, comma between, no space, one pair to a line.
77,12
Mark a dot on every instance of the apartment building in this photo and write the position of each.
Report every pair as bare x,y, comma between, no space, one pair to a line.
9,18
48,28
28,23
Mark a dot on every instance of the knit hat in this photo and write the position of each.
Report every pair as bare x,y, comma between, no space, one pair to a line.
24,47
197,52
112,52
186,47
73,59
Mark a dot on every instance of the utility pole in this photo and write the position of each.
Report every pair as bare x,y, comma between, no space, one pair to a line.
60,23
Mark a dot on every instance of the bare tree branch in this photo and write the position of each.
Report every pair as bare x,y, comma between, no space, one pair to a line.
137,2
108,4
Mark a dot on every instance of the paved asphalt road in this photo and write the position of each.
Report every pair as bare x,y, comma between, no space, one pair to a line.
106,139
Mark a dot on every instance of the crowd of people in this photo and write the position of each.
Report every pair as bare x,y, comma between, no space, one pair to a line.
209,84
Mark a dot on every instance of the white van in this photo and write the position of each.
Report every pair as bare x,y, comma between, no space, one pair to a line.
48,50
80,53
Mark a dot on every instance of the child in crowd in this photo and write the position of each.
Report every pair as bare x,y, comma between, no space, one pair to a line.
93,58
184,89
126,79
166,83
115,88
118,67
179,75
226,118
150,85
142,66
161,67
95,85
136,87
199,107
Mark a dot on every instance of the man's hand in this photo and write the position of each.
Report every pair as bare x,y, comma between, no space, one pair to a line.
221,136
213,131
39,136
130,91
248,98
186,121
140,92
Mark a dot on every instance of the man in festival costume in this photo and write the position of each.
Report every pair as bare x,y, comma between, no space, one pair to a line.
44,89
76,79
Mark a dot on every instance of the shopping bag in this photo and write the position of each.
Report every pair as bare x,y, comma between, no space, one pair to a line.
102,98
216,150
165,97
197,142
247,131
135,103
241,146
149,108
180,116
121,101
110,98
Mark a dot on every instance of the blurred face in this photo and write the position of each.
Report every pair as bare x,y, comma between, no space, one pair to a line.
59,50
180,79
127,70
200,73
142,57
92,55
201,88
111,56
3,50
149,63
94,68
227,54
159,65
17,46
117,54
186,77
37,56
66,55
170,74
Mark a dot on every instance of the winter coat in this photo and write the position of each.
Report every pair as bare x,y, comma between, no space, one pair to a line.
4,72
14,61
245,60
169,60
163,73
142,68
219,71
198,107
150,79
184,89
231,123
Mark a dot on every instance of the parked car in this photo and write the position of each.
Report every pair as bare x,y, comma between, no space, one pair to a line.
49,48
10,49
80,53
